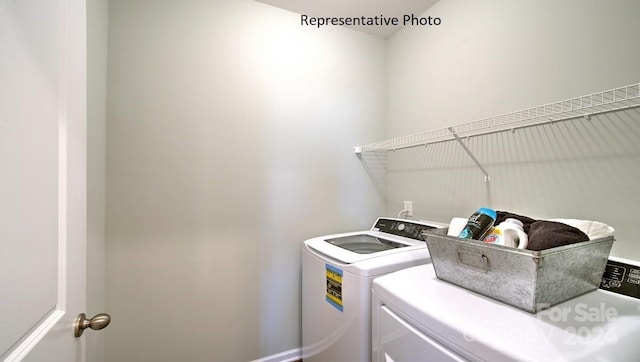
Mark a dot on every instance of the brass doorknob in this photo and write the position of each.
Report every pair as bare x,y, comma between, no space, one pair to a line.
98,322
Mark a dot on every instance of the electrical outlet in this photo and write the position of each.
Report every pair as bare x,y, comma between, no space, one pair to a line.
408,208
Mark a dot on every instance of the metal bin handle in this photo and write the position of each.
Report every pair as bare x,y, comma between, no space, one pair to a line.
473,260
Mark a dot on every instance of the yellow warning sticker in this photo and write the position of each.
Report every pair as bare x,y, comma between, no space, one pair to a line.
334,287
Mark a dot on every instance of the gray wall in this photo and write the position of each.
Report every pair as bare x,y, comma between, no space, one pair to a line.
229,139
97,18
229,136
493,57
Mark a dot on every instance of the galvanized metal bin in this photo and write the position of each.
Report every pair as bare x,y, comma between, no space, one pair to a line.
526,279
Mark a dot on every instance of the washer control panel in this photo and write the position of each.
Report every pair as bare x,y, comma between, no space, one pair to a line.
405,228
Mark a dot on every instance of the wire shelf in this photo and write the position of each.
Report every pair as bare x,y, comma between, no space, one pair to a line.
584,106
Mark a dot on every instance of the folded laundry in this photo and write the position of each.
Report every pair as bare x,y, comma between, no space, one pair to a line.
526,221
545,234
593,229
551,233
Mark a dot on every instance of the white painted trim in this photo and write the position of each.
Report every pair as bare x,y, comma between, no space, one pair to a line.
62,160
286,356
34,337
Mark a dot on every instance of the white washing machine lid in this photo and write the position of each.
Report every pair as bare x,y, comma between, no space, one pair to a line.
598,326
388,236
365,243
363,251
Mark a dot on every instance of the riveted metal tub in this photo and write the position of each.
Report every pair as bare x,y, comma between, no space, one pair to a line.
526,279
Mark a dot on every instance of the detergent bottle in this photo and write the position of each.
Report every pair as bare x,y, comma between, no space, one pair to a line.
479,224
508,233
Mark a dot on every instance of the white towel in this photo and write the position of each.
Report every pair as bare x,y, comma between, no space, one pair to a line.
593,229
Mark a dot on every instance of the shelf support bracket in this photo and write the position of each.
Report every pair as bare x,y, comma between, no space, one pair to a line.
487,178
358,152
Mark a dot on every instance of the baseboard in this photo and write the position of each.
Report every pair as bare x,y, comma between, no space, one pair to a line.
286,356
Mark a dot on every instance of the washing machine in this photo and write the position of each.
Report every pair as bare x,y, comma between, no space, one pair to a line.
417,317
337,274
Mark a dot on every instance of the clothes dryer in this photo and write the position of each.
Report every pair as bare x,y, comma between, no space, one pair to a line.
337,272
418,317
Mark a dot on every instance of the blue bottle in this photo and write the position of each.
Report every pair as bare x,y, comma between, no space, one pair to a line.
479,224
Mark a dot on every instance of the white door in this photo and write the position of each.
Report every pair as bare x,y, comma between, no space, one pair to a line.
42,178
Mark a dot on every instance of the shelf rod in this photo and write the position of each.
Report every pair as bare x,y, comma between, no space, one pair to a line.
617,99
468,151
513,127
